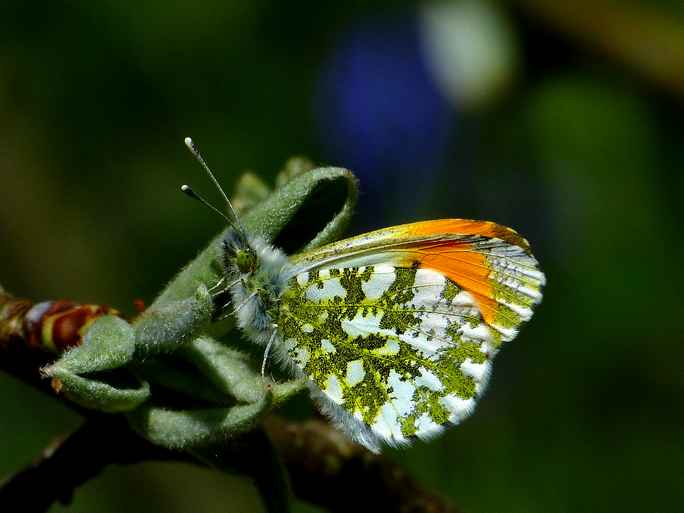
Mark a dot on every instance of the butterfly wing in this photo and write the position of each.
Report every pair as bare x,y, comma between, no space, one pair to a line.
398,327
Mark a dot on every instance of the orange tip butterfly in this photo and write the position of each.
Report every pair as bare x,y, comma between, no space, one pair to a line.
395,329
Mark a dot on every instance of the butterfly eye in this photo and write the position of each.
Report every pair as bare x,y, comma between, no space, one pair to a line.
245,260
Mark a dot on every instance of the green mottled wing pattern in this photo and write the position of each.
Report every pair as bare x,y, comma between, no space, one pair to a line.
401,350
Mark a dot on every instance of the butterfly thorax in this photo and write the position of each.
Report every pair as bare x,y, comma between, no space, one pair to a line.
256,271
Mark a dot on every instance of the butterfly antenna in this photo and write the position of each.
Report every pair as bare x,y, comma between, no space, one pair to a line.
194,195
196,153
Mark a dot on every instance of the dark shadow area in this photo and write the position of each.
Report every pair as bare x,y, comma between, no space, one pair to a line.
320,207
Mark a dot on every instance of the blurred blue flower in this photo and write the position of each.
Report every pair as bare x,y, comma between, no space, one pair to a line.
379,111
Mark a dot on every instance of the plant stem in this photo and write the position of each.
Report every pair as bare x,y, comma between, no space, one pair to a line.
323,465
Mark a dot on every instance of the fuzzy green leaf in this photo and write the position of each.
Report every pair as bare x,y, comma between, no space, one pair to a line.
108,344
176,429
288,389
164,371
80,373
164,328
99,395
231,372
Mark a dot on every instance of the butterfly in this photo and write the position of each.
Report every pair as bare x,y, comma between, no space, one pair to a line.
396,329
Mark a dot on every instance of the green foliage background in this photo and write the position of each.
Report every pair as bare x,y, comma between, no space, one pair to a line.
584,412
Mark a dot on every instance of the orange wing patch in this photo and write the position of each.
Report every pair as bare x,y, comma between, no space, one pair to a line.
490,261
467,227
463,265
494,270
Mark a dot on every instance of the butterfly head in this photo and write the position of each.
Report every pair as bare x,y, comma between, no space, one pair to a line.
241,255
246,260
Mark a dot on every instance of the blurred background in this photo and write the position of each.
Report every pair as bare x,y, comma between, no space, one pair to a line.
563,121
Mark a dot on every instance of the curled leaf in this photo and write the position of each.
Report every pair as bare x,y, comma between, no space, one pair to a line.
231,371
185,429
99,394
92,374
108,344
164,328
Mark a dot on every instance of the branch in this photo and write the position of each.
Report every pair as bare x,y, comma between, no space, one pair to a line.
329,470
323,464
74,460
307,209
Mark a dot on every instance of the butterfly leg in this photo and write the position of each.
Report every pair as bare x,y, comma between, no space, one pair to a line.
221,297
217,286
237,308
268,349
